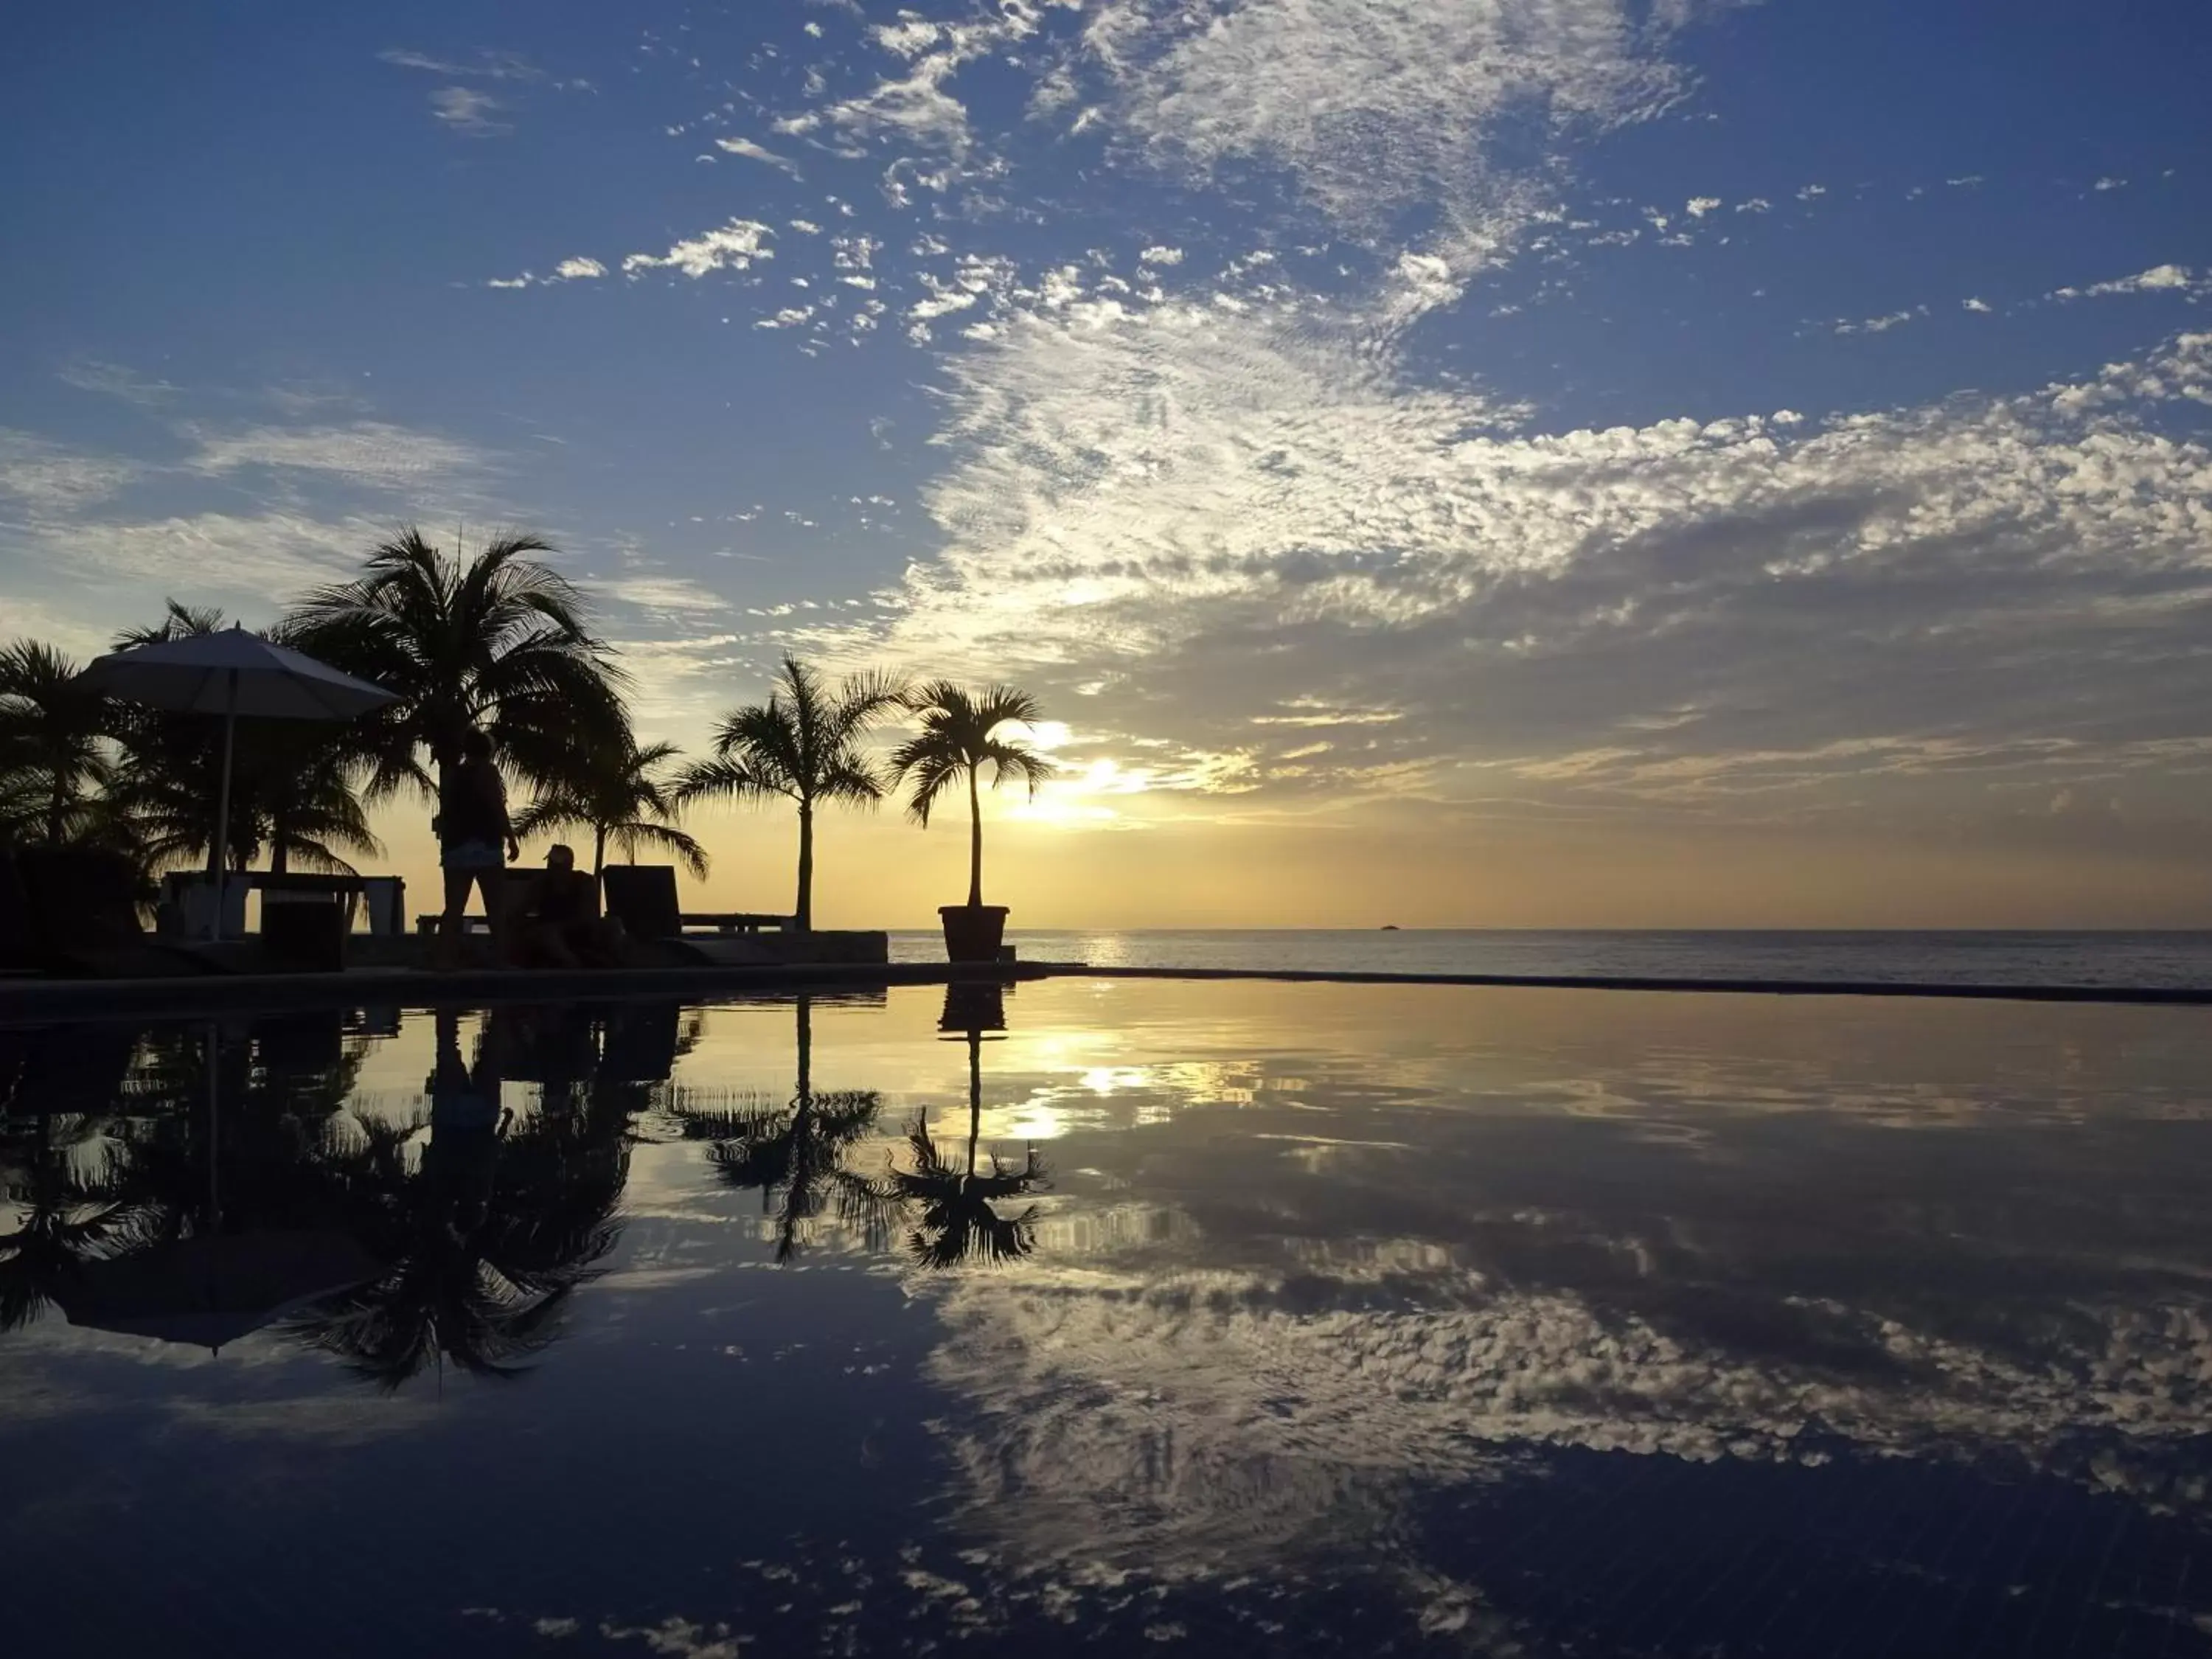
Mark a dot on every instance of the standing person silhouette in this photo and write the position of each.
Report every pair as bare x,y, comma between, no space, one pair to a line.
475,841
466,1121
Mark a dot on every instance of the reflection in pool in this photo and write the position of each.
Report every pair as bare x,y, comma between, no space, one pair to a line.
1233,1317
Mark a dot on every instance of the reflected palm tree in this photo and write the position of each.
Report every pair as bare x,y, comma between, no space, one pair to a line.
76,1206
958,1220
486,1235
795,1154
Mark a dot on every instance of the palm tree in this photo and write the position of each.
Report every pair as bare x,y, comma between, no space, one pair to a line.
498,641
621,797
804,744
959,737
54,744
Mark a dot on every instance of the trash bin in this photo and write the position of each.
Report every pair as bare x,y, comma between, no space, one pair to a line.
307,931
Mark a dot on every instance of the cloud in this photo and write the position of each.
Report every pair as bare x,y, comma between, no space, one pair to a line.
1212,514
113,380
45,478
466,110
677,595
89,532
2159,279
485,66
577,268
367,454
1385,107
1699,206
751,151
734,246
915,108
248,562
1883,324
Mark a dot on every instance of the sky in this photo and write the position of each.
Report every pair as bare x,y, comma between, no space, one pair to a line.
1730,463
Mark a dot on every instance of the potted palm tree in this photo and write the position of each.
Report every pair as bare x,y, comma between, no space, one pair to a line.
802,746
961,735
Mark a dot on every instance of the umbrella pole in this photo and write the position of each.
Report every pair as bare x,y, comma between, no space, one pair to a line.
221,855
213,1132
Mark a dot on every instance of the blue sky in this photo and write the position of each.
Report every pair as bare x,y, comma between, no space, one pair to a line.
1663,419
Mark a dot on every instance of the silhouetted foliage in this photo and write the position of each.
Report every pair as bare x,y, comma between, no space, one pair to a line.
802,746
56,757
621,796
498,641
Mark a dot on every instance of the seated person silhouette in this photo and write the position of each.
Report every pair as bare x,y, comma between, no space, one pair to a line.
564,928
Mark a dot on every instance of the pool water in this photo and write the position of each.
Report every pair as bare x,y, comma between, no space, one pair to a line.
1117,1316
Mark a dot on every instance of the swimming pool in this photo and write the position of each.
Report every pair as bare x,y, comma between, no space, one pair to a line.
1122,1316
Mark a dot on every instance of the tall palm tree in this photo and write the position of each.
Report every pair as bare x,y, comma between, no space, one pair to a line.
959,737
499,640
621,797
802,744
55,744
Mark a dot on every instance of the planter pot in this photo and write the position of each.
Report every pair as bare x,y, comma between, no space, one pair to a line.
973,932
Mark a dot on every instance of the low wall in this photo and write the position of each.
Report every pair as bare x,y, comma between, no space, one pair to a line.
870,948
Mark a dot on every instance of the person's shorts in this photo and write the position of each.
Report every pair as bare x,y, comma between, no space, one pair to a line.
471,855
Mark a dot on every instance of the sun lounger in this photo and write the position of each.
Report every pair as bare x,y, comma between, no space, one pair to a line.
642,897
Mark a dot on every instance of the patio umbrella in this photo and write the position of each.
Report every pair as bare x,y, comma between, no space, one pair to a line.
212,1290
232,673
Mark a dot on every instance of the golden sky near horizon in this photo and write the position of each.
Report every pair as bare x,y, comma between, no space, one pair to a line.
1361,867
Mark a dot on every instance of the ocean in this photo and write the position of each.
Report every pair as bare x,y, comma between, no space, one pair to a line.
2106,958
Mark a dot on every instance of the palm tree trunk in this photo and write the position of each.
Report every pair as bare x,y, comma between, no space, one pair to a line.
974,1097
805,917
55,806
974,842
599,848
803,1025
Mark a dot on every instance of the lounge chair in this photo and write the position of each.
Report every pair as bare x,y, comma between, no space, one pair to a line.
642,897
640,1042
